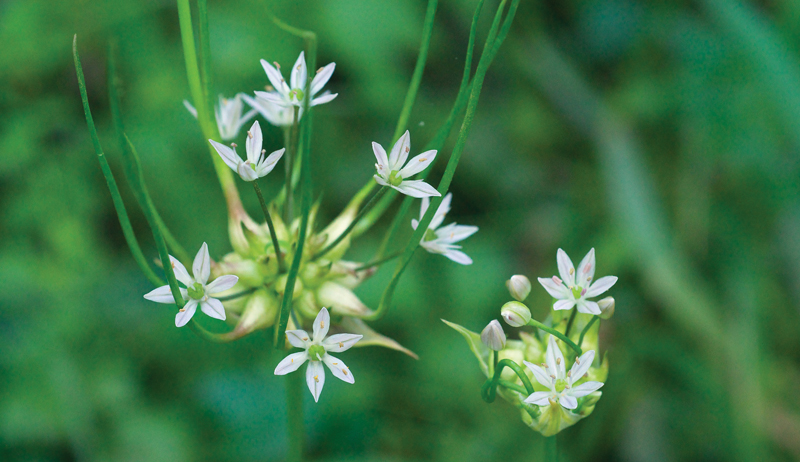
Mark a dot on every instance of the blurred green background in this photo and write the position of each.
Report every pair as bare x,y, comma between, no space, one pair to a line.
664,134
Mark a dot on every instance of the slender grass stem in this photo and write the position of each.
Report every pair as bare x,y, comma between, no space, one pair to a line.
558,334
272,235
361,213
489,388
291,152
243,293
379,262
205,52
571,321
586,329
294,415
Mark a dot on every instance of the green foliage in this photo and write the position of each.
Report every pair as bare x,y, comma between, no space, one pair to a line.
664,134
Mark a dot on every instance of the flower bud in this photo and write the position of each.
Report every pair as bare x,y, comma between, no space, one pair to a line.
493,336
259,313
606,307
516,314
519,287
280,286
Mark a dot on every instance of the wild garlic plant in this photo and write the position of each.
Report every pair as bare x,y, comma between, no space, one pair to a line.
554,372
290,273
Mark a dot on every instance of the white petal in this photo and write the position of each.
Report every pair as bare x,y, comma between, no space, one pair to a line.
254,143
418,164
585,306
380,155
186,315
315,378
416,188
585,388
275,78
586,269
568,402
324,98
269,163
441,212
458,257
221,284
299,72
555,360
563,305
381,181
201,268
321,325
454,233
322,78
540,374
298,338
580,366
340,342
338,368
539,398
161,295
291,363
414,222
423,208
213,308
399,154
180,271
228,155
246,171
272,97
565,268
601,285
190,108
553,288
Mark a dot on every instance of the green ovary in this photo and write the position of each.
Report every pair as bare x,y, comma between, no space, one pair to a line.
394,178
576,291
196,291
316,352
561,384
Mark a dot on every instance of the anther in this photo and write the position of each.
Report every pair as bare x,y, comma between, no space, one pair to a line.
316,378
423,159
277,66
569,373
545,365
407,150
558,361
305,339
552,376
234,145
182,310
249,134
269,88
557,280
299,66
571,271
322,325
263,151
320,70
577,361
341,345
344,371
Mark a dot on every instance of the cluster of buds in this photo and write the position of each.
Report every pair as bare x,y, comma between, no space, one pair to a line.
559,383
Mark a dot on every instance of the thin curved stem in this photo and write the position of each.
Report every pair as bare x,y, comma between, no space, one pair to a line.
361,213
237,295
272,235
571,321
381,261
586,329
558,334
489,388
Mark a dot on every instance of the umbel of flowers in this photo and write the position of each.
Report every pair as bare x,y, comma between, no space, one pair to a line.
554,372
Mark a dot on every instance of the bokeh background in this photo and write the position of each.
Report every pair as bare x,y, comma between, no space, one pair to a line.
663,134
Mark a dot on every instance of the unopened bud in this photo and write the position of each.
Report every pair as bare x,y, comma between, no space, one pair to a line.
606,307
519,287
516,314
493,336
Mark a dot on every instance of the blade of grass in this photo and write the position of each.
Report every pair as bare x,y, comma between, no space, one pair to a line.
119,205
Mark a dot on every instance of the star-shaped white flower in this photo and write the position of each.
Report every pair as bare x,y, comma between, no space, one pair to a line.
316,352
277,115
576,288
561,383
257,164
228,114
442,240
392,173
198,290
294,94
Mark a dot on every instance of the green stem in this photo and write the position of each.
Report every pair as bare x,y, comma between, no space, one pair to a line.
586,329
119,205
489,388
571,320
550,449
275,245
558,334
378,262
294,415
291,151
364,210
205,52
237,295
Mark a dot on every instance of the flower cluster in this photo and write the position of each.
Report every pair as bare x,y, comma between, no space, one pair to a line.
560,389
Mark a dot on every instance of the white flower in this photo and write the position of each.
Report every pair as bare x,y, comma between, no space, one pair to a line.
277,115
575,289
560,382
198,290
228,114
294,94
257,165
316,352
442,240
392,173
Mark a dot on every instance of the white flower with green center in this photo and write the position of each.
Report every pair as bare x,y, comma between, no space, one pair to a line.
198,290
258,164
575,288
294,94
277,115
561,383
316,352
442,240
391,170
228,114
